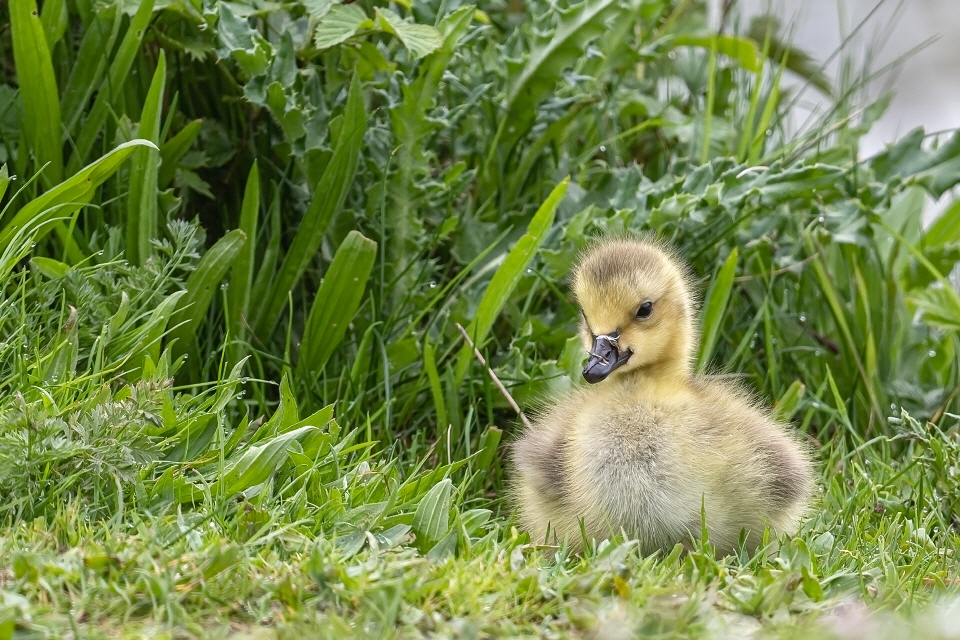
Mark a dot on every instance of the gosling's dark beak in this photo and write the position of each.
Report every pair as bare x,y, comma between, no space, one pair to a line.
605,356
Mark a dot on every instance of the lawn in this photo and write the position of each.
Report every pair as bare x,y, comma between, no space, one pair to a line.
236,243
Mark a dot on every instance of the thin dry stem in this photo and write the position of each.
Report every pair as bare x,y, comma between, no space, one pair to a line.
493,376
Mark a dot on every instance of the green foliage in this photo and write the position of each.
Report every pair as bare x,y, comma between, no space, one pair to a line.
241,236
38,88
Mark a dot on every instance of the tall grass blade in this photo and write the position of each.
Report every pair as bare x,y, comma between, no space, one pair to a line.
329,197
268,262
111,87
337,301
787,405
201,285
38,89
714,307
142,217
173,150
241,276
4,183
53,18
505,280
90,65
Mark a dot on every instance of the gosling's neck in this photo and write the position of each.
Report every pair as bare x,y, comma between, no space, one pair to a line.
675,369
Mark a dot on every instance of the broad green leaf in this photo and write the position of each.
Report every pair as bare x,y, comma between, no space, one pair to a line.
336,302
445,547
241,277
505,280
237,39
474,519
811,585
743,50
201,285
714,308
327,200
937,169
49,267
67,197
419,39
317,8
142,218
944,230
257,463
432,518
38,90
342,22
110,89
489,449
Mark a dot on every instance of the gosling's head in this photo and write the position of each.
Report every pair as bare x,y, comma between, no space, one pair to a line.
638,309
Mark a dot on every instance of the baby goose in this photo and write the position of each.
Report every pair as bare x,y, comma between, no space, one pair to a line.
650,442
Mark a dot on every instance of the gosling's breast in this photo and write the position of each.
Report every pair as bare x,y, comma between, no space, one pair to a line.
629,471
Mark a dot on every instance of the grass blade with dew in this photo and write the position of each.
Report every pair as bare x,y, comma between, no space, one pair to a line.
142,209
337,301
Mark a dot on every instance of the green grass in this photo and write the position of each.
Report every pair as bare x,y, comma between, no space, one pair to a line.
233,394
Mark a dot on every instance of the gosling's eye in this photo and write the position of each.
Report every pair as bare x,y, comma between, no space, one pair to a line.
645,310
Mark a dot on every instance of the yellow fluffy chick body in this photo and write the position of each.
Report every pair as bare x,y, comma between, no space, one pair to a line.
651,445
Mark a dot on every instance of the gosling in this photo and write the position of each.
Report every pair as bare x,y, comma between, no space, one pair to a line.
650,444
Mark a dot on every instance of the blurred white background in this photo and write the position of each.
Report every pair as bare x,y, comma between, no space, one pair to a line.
927,83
